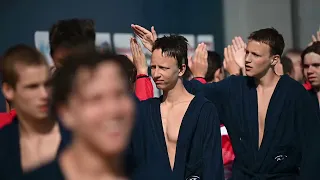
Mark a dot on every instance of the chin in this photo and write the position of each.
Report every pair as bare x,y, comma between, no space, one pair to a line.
41,116
114,149
250,74
315,84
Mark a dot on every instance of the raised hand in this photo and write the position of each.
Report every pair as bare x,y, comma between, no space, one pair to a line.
138,57
199,64
315,38
229,62
239,51
147,37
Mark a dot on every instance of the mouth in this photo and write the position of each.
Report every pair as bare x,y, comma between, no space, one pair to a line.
158,81
312,79
43,108
248,67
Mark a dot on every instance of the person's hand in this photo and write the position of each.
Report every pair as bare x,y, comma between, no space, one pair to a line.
138,57
229,62
239,51
315,38
199,64
147,37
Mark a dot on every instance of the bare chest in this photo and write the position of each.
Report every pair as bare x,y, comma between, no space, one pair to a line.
263,104
38,151
171,122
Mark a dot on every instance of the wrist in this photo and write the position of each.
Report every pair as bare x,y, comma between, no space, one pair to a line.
237,73
142,71
199,75
142,76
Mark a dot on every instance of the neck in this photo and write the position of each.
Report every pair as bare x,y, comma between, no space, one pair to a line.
30,126
81,159
175,93
270,79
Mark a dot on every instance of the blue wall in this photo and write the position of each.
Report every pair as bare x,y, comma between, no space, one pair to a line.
19,20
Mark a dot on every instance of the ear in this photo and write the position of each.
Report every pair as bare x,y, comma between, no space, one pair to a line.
65,116
275,59
217,75
8,91
182,70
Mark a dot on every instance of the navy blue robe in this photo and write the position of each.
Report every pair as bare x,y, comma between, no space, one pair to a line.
10,156
314,97
198,151
290,143
50,171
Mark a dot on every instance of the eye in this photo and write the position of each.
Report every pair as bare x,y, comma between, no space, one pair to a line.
256,55
163,68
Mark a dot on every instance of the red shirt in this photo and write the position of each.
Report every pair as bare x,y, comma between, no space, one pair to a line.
6,118
143,87
307,85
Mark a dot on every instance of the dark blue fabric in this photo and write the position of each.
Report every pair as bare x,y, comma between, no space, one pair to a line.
10,157
198,151
292,128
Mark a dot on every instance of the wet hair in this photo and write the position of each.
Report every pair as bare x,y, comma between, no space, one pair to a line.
214,63
175,46
19,54
314,48
271,37
66,33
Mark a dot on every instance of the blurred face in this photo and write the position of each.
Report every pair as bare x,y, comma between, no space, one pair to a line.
165,71
258,59
59,54
101,112
296,65
30,97
311,69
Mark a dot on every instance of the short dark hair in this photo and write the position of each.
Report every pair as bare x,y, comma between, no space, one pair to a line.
68,31
286,65
76,46
129,67
175,46
271,37
314,48
64,81
19,54
214,63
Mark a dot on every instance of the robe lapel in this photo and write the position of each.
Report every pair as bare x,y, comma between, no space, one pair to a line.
156,124
252,111
274,110
14,155
187,128
186,133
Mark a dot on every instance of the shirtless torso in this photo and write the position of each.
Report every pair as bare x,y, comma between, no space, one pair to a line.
172,115
38,150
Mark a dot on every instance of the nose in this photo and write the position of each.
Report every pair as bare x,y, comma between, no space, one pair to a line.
156,73
248,58
310,70
44,92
